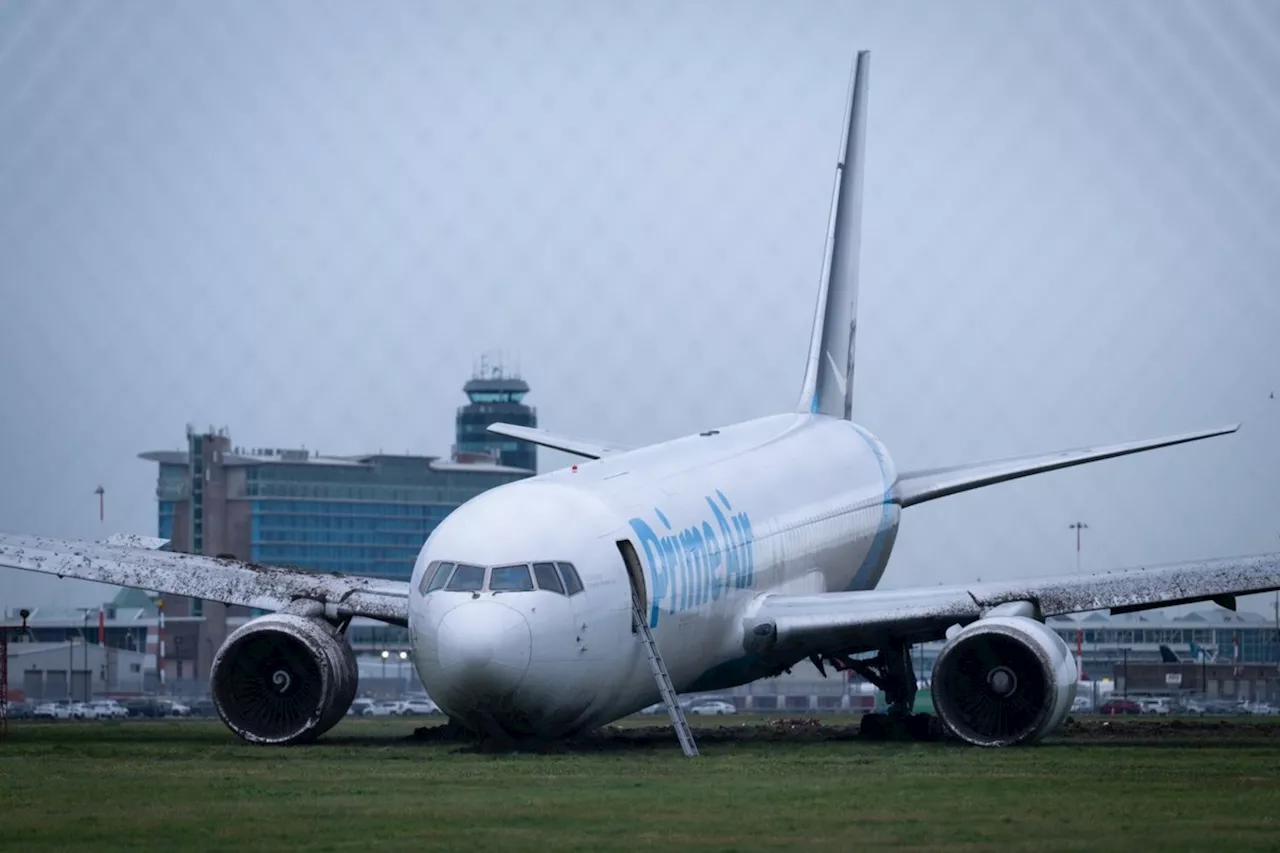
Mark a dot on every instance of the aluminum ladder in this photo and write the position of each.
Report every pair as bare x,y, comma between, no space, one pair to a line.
664,680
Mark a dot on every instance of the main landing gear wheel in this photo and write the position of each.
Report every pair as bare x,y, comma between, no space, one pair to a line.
891,670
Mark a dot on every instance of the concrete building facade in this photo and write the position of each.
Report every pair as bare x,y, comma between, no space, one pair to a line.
366,514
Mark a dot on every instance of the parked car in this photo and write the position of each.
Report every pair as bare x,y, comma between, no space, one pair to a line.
84,711
1120,706
17,710
111,709
52,711
419,706
713,707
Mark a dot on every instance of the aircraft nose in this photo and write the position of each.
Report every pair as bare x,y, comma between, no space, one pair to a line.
483,648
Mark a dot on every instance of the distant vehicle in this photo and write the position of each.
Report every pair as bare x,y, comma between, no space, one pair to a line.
52,711
1081,705
359,707
1211,708
385,708
712,708
108,709
1155,705
1120,706
418,706
83,711
17,710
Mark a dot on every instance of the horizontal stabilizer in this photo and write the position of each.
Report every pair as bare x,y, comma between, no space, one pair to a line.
578,447
915,487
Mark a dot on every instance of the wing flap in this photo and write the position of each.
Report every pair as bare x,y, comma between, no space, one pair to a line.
915,487
851,622
217,579
578,447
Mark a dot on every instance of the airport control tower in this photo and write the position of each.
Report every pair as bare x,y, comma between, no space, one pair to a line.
496,395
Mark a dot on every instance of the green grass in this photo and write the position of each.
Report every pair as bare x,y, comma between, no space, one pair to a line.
184,785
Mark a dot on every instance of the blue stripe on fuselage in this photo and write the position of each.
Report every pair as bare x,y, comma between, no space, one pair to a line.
862,577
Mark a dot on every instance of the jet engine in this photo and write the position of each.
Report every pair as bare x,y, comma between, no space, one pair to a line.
1004,680
284,678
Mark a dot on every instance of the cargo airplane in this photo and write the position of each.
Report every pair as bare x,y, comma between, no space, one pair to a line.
559,603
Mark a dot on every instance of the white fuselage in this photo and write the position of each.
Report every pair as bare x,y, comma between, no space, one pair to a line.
789,503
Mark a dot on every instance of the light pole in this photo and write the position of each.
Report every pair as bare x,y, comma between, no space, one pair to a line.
1077,526
385,654
1125,652
400,672
84,641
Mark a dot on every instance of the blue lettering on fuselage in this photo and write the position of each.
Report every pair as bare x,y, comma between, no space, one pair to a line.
694,565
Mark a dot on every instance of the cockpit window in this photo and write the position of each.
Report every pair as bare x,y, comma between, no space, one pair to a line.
426,577
438,579
510,579
572,583
547,577
467,579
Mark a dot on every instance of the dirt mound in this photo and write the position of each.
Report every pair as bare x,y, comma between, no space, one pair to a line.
1148,728
610,738
792,730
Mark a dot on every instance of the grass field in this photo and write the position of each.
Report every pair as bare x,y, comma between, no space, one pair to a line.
189,785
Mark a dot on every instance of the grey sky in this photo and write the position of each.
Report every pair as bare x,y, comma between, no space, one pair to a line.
303,221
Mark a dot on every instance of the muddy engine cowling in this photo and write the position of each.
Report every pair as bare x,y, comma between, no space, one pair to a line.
284,679
1003,681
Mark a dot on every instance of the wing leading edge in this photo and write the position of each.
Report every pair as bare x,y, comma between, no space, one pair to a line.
851,622
137,562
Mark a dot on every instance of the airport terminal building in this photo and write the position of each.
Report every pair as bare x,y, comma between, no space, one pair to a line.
366,514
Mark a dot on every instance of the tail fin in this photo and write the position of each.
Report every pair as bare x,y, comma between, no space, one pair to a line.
1167,655
828,375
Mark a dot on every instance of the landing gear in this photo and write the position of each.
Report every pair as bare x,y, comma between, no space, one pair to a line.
891,670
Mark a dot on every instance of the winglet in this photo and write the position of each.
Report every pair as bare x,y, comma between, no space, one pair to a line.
828,378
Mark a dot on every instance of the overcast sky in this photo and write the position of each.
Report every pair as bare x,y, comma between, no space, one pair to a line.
304,222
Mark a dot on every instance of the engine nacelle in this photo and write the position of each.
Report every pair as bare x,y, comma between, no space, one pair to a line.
284,679
1004,680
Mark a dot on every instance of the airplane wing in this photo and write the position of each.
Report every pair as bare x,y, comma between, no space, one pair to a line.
853,622
137,562
578,447
915,487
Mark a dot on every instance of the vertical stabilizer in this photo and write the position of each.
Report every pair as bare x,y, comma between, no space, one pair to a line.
828,375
